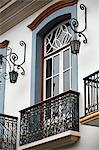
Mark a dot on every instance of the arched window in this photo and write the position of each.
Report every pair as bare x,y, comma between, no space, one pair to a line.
57,60
54,67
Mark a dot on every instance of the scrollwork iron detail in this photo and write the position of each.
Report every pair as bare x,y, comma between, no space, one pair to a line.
8,132
51,117
14,57
10,60
3,62
74,24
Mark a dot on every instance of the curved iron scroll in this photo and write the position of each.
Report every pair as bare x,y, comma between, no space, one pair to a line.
14,58
74,24
11,59
4,60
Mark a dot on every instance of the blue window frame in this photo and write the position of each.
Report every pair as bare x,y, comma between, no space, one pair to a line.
38,35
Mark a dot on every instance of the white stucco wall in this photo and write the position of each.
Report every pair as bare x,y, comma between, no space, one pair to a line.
17,96
88,59
88,62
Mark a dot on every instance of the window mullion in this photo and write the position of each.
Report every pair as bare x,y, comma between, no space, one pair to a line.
70,68
52,78
44,91
61,72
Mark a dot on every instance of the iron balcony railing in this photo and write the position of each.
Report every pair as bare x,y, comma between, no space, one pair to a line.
8,132
53,116
91,93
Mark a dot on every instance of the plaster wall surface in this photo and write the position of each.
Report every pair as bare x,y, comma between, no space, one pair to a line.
17,96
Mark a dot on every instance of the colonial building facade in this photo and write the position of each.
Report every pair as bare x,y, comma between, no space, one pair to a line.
49,75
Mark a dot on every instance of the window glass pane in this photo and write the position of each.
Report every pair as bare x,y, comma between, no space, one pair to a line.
56,64
48,88
66,80
55,85
66,64
48,67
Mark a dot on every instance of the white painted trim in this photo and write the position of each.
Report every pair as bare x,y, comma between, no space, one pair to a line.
61,71
51,138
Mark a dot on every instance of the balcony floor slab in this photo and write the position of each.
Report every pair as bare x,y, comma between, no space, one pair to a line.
49,143
91,119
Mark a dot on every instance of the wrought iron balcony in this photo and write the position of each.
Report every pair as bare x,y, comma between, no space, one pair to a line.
91,97
51,117
91,92
8,132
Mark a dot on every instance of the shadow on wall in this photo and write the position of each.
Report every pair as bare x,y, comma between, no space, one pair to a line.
89,139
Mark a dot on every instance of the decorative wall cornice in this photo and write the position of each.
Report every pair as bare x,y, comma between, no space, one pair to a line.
4,44
49,11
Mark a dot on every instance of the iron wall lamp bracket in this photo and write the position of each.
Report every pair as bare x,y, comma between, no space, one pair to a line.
11,59
74,24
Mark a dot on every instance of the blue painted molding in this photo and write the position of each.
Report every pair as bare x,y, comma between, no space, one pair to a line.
3,51
37,43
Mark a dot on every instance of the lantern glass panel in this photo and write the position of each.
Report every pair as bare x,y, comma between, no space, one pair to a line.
13,76
75,46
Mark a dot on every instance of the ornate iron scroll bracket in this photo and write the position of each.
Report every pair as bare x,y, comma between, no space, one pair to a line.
74,24
12,64
14,57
